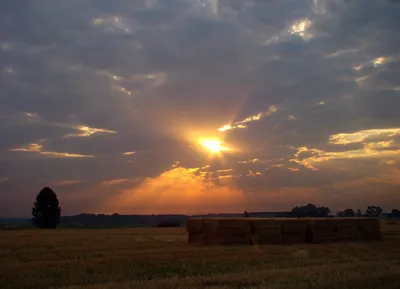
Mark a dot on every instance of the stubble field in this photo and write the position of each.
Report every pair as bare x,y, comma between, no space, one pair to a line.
161,258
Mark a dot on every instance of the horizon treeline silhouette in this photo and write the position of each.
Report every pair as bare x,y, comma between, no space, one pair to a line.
46,214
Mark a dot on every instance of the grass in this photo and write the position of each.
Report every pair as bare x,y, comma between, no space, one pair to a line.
161,258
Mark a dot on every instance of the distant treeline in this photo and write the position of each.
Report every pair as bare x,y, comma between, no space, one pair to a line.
46,214
116,220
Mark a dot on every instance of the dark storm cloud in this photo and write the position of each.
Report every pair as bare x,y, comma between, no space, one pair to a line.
152,73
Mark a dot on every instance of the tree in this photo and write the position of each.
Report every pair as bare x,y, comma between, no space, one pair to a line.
349,213
373,211
395,213
324,211
310,210
359,214
46,211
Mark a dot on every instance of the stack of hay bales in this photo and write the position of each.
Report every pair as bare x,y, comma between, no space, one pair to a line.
226,231
295,231
369,229
347,229
266,231
322,231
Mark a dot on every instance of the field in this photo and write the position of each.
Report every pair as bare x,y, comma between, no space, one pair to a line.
161,258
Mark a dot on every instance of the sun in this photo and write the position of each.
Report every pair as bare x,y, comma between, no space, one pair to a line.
213,146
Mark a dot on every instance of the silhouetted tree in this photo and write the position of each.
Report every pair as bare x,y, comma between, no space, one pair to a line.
395,213
46,210
359,214
348,213
324,211
310,210
373,211
246,215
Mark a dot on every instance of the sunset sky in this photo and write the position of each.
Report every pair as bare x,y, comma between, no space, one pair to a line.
199,106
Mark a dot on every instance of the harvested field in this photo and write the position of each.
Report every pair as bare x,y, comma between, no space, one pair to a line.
162,258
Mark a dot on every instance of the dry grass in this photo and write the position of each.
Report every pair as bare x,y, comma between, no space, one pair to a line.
161,258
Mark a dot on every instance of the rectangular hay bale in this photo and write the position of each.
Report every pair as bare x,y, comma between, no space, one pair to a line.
369,229
346,224
233,239
295,231
369,224
347,229
294,226
322,231
267,231
194,225
226,225
225,239
209,226
264,238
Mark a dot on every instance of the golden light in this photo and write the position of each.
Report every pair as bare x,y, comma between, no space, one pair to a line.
213,146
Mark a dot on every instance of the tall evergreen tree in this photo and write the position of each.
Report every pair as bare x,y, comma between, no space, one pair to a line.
46,211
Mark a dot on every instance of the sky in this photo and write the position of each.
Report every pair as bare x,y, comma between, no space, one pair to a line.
199,106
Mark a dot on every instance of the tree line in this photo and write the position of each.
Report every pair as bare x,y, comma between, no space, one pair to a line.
46,211
311,210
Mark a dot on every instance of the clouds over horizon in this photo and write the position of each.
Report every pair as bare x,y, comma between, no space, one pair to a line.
107,101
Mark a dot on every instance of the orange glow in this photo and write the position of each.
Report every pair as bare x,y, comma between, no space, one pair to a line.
179,190
213,146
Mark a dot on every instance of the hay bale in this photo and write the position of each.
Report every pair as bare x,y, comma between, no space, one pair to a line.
266,231
233,239
225,239
227,225
294,231
227,231
194,225
322,231
209,226
369,229
219,231
347,229
369,224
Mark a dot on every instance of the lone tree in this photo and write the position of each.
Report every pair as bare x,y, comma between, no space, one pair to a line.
46,211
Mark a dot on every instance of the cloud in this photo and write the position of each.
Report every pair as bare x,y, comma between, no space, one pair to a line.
37,148
88,131
375,144
66,183
113,93
241,124
115,182
178,190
